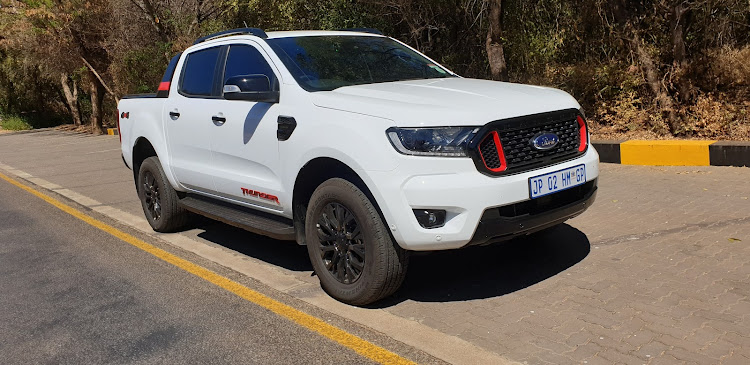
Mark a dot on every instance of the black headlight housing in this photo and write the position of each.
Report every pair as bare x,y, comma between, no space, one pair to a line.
441,141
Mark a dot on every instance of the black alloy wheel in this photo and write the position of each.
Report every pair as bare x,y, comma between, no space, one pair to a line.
350,248
341,243
151,195
159,200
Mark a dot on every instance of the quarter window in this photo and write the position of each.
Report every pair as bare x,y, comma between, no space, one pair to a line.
199,71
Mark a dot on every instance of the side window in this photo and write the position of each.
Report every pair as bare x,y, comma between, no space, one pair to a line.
246,60
199,70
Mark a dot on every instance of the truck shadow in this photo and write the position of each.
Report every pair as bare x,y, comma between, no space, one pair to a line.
440,276
285,254
491,271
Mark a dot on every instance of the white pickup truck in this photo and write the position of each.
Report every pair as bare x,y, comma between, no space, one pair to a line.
356,145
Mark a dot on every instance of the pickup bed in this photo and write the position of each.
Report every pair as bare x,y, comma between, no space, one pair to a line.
355,145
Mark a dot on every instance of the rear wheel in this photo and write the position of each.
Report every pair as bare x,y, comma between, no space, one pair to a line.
159,200
350,248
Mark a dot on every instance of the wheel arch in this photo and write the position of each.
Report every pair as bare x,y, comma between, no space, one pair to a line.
142,149
314,173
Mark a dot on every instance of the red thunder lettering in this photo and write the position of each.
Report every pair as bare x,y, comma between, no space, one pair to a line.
258,194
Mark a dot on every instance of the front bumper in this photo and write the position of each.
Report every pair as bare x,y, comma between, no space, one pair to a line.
510,221
469,198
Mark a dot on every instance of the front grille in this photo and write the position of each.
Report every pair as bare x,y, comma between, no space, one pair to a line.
519,151
516,137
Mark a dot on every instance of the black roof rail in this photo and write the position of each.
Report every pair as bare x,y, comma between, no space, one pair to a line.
239,31
362,30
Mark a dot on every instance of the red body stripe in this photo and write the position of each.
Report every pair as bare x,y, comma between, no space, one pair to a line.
119,134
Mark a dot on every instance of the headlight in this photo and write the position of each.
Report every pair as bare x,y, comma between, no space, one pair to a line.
444,141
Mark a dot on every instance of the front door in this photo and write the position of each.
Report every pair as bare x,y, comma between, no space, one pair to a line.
243,137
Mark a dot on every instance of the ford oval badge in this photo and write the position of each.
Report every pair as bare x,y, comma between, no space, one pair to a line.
545,141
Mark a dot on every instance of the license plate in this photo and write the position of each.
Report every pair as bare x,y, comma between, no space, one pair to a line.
557,181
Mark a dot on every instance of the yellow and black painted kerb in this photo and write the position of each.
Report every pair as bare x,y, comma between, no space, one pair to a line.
674,153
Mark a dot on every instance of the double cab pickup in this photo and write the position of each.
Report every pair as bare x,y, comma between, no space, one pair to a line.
355,145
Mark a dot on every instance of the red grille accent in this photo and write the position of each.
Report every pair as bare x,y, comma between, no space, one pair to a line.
584,134
491,152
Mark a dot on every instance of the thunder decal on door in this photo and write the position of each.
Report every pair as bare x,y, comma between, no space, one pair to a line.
248,192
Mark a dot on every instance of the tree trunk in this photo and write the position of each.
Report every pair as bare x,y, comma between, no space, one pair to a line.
92,72
75,96
71,97
97,96
680,16
678,33
495,53
149,12
664,101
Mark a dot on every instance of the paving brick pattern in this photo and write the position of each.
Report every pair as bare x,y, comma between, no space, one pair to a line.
656,272
666,279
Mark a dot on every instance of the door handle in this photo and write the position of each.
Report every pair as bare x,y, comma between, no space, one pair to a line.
219,120
174,114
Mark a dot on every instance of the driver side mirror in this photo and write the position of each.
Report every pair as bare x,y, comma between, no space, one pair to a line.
250,88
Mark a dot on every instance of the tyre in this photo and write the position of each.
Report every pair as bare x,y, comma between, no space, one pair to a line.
159,200
349,245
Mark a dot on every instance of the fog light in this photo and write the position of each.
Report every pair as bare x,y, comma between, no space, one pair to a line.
430,218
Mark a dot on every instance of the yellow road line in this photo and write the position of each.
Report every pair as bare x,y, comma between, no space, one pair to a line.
360,346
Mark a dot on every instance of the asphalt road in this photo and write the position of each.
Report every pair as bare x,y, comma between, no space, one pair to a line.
655,272
74,294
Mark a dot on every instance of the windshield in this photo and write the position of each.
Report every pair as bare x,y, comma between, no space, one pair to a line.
324,63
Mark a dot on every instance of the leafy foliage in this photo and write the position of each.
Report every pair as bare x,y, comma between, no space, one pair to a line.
654,67
14,123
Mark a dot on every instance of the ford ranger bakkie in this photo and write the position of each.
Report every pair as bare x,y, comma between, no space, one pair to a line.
355,145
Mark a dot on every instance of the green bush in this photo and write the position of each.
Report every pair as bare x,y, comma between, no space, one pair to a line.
14,123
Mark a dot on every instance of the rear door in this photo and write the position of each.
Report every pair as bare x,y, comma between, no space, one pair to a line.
188,121
243,140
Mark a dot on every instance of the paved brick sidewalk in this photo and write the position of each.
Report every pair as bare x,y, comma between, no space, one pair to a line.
666,280
657,271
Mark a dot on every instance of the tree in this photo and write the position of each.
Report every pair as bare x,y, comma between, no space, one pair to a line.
635,64
70,91
624,18
61,38
495,53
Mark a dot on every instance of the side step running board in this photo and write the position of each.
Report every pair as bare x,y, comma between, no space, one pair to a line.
248,219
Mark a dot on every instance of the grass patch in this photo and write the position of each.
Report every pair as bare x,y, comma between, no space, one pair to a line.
14,123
